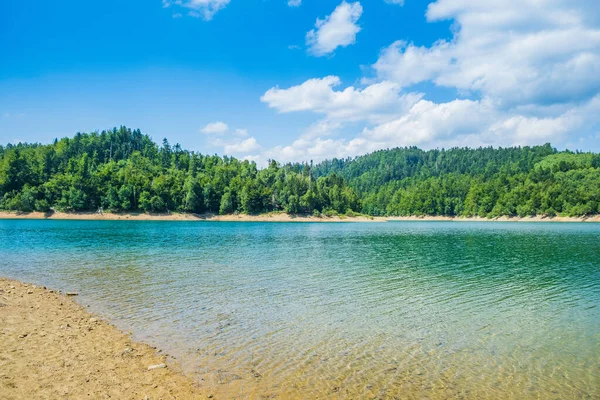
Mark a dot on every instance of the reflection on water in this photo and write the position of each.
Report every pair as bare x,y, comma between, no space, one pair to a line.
407,310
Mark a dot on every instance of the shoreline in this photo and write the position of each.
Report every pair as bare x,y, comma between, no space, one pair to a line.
537,218
272,217
52,347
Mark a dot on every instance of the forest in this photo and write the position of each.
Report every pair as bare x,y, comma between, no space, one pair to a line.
123,170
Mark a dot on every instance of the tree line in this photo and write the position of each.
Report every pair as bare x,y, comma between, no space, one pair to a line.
123,170
485,182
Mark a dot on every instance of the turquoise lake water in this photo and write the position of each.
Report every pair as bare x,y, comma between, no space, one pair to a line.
349,310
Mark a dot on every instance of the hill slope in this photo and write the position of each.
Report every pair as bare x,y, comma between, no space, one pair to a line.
123,170
473,182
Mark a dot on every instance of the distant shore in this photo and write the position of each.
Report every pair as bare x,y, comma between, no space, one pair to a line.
271,217
53,348
537,218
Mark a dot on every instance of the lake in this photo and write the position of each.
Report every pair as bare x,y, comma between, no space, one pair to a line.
349,310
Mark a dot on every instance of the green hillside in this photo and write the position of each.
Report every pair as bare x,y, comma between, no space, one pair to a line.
123,170
484,182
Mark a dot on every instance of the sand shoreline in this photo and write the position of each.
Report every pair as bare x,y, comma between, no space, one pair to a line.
537,218
51,347
273,217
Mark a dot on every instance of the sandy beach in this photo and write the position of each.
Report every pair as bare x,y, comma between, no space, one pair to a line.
271,217
52,348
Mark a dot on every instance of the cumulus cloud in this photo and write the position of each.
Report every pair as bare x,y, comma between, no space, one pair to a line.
205,9
337,30
241,147
321,128
428,124
374,103
524,73
526,52
294,3
476,123
233,142
215,128
316,150
407,64
399,2
427,120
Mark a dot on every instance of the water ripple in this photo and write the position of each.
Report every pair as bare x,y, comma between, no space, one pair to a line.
410,310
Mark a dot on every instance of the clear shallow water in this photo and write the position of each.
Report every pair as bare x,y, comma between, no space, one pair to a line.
377,310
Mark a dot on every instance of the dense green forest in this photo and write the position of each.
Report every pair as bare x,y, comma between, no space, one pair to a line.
124,170
486,182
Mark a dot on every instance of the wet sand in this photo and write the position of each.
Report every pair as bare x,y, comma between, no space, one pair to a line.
52,348
272,217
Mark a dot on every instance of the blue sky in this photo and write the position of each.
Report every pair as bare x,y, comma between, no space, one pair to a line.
266,79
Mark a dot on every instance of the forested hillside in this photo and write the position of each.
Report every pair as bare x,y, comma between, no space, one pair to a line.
124,170
483,182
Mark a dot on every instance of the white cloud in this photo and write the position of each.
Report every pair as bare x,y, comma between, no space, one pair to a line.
215,128
374,103
405,119
407,64
231,141
309,146
316,150
205,9
398,2
337,30
427,121
525,72
427,124
245,146
526,52
476,123
257,158
294,3
321,128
